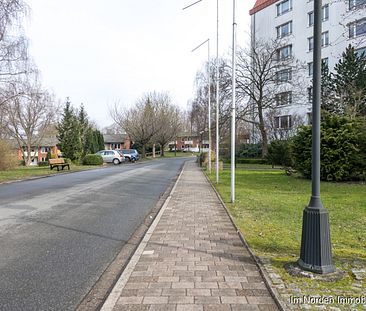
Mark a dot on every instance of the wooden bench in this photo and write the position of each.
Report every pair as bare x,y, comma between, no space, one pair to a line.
60,162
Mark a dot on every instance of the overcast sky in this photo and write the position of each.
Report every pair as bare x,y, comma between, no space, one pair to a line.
98,52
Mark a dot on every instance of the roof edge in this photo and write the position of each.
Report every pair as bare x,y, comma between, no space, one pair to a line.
260,5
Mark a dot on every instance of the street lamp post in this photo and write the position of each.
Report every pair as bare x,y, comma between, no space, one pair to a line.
209,100
217,93
316,254
232,196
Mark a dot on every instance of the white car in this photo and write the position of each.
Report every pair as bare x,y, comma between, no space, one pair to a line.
111,156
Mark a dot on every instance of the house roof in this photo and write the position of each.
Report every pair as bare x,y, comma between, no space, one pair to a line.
44,142
114,138
260,5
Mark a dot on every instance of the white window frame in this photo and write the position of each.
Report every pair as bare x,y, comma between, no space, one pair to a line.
287,48
280,120
284,98
354,5
284,75
353,28
284,30
280,7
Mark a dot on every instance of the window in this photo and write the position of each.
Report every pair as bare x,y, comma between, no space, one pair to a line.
310,94
284,52
325,15
325,41
283,122
357,28
284,75
325,12
310,44
311,66
284,98
310,69
284,7
310,19
325,38
361,52
353,4
284,30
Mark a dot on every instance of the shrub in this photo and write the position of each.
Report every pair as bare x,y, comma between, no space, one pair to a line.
43,163
343,152
279,153
92,159
8,158
250,151
250,161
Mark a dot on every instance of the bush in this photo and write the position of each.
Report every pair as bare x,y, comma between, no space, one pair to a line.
250,151
343,151
279,153
8,158
250,161
43,163
92,159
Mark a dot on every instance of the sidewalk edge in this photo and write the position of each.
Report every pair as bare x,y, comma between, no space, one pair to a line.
115,293
267,280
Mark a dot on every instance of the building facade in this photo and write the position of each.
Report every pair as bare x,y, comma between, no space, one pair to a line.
291,23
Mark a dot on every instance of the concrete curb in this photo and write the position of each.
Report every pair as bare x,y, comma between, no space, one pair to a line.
112,299
267,280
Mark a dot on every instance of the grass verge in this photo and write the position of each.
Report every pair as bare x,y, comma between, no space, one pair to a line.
23,172
268,210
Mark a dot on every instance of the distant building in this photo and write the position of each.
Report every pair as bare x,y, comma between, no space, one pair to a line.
190,142
40,151
116,141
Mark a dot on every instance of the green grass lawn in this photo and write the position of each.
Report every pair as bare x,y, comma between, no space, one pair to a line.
23,172
268,210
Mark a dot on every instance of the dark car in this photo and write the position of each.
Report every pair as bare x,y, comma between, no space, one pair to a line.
130,154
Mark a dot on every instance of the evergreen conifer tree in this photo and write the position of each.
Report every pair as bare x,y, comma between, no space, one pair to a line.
350,83
68,133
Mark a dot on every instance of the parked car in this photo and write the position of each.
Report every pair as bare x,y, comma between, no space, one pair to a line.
130,154
111,156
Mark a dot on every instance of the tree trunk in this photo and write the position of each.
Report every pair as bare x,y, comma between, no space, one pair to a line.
144,150
263,132
162,150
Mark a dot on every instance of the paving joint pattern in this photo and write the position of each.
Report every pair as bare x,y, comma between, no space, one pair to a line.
191,258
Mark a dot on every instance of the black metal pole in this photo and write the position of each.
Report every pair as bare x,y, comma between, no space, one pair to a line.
316,253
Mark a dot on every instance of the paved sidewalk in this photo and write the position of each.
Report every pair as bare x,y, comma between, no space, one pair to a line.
191,258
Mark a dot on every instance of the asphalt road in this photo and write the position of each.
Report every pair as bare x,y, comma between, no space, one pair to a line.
58,234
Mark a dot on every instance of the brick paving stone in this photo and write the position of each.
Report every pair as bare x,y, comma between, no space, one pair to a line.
216,307
194,259
162,307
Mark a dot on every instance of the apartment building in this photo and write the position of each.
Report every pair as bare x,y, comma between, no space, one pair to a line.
291,22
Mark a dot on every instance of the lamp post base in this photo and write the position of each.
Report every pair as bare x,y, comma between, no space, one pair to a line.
316,253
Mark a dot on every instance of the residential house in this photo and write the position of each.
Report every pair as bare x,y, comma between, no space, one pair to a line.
116,141
190,142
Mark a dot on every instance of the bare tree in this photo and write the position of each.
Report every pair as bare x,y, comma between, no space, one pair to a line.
140,121
169,121
27,115
263,70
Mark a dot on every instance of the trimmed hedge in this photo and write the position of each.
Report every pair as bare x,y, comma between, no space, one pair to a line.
92,159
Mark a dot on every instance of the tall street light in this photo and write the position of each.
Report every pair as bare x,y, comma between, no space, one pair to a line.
232,196
217,88
209,100
217,93
316,253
